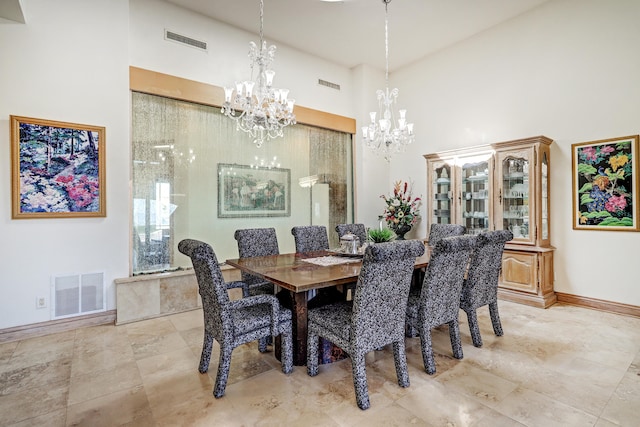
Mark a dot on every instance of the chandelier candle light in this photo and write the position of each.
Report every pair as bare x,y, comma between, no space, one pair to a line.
258,108
388,136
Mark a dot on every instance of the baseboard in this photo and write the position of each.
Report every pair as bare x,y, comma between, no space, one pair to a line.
598,304
54,326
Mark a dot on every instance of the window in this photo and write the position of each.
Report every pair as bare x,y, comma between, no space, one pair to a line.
178,149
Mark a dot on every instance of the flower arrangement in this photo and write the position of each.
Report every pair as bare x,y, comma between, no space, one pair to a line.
402,208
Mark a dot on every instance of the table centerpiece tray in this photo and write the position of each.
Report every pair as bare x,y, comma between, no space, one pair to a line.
339,252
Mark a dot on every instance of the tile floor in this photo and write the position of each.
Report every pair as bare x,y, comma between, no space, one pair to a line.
563,366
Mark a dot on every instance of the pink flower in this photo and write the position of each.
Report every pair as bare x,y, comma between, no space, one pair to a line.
64,179
589,153
615,203
607,149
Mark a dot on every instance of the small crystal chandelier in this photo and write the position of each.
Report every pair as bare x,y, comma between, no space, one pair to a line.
388,136
259,109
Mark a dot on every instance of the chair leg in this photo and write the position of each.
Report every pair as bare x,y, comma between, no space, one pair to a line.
359,372
286,348
495,318
206,353
410,331
400,359
472,318
427,352
454,335
262,345
312,354
223,371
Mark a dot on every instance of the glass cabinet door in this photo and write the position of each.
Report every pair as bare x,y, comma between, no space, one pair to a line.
515,192
475,194
544,204
442,194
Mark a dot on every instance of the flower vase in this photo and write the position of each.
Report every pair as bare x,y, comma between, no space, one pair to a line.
401,230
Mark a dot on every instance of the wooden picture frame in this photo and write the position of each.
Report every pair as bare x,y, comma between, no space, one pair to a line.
57,169
253,191
605,184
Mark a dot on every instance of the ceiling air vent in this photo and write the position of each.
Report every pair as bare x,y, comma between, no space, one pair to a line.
328,84
170,35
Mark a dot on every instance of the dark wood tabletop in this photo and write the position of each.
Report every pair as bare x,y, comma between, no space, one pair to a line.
291,272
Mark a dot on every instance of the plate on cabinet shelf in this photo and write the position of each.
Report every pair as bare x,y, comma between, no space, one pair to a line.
477,178
443,180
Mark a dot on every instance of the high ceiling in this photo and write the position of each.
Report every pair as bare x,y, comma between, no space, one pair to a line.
351,32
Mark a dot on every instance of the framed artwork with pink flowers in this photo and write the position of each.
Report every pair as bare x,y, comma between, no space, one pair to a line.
605,184
57,169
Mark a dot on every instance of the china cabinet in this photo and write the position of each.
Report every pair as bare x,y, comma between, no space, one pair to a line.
498,187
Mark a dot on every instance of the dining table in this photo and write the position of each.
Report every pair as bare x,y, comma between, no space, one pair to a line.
299,274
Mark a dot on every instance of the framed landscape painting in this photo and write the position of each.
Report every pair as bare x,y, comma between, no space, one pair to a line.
605,184
57,169
250,191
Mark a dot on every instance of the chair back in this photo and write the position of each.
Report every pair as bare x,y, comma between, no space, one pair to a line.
481,285
440,231
380,299
211,284
442,286
310,238
355,229
253,242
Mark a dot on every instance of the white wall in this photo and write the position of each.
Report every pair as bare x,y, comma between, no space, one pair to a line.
567,70
226,60
69,63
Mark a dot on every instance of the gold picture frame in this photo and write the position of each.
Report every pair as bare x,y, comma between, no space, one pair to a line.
57,169
247,191
605,184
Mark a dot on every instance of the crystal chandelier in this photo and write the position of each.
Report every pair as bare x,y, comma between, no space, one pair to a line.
258,108
391,133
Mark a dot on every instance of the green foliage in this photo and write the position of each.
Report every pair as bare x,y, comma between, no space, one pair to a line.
586,169
616,222
379,236
598,214
586,187
585,198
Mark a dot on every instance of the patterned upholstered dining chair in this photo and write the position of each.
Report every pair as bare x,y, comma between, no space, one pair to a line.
440,231
355,229
480,288
438,302
310,238
374,319
254,242
233,323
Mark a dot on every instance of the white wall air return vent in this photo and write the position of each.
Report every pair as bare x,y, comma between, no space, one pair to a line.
198,44
77,294
328,84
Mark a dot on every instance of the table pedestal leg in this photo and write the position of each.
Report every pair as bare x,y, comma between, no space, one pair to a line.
297,302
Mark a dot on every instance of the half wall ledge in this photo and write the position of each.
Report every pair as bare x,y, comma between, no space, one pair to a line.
155,295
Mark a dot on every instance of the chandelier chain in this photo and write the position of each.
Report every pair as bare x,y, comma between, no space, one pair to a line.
386,42
391,133
259,109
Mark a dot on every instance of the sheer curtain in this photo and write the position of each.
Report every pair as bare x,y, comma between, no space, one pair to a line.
180,152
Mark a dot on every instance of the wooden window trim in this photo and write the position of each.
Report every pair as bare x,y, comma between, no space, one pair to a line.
154,83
